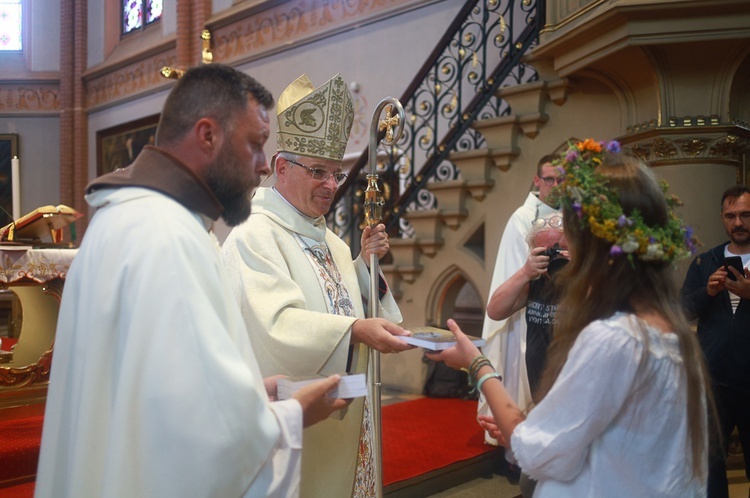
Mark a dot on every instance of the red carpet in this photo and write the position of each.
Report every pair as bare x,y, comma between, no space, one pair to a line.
419,436
19,491
427,434
19,454
20,448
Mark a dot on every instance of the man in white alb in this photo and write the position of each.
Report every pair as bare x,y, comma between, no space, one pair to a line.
506,339
154,389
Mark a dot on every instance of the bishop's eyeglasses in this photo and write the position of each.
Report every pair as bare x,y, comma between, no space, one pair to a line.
322,175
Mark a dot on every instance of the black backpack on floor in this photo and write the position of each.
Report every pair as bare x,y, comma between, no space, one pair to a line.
444,382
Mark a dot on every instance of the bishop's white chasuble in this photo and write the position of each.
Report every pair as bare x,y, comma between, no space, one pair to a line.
299,312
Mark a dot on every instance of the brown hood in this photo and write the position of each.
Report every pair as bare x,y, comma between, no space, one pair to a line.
157,170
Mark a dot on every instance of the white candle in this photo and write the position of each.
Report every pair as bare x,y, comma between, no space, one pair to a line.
16,184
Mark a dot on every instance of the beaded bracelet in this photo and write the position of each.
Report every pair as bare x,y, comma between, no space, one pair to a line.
488,376
475,373
477,364
479,358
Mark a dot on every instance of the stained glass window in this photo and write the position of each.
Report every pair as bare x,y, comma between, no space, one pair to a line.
10,25
154,10
134,12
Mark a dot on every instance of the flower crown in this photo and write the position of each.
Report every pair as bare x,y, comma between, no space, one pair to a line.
588,193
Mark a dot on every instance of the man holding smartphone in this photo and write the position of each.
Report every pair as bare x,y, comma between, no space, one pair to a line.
716,291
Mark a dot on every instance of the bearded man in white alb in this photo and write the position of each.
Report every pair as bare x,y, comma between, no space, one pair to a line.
154,389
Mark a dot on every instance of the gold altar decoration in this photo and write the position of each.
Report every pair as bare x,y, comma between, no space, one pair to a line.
207,57
36,276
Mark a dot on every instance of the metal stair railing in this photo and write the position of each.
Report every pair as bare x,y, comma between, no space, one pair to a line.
452,90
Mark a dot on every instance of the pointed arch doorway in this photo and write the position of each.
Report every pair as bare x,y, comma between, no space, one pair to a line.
455,296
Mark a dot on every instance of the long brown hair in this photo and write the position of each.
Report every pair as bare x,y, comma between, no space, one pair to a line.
597,285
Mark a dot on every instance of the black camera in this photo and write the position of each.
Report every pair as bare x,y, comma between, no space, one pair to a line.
553,252
556,259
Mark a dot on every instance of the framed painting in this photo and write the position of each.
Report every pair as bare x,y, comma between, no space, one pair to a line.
8,150
118,146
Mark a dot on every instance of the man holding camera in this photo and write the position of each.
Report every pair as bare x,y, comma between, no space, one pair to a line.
718,295
533,287
506,339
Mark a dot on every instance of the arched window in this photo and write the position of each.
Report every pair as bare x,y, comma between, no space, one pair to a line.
10,25
139,13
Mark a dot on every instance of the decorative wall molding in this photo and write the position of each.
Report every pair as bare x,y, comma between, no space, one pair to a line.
30,98
239,34
129,81
718,144
243,35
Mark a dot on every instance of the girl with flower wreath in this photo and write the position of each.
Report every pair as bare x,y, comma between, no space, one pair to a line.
623,399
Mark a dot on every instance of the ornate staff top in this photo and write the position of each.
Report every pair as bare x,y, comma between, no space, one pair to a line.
374,202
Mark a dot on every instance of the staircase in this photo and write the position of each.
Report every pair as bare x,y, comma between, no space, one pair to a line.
479,170
465,110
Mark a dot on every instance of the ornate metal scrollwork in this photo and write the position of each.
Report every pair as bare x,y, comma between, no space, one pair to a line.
480,55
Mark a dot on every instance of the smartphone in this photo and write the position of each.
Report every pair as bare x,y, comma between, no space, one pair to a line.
735,261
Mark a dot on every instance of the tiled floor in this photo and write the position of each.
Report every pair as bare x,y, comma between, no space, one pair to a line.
499,487
739,487
496,486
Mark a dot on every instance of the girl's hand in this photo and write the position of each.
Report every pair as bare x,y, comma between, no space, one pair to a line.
459,356
487,422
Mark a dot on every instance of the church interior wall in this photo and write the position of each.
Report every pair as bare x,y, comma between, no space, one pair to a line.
37,123
693,182
39,157
373,56
220,5
45,35
97,25
107,118
38,186
697,80
739,100
105,45
697,77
